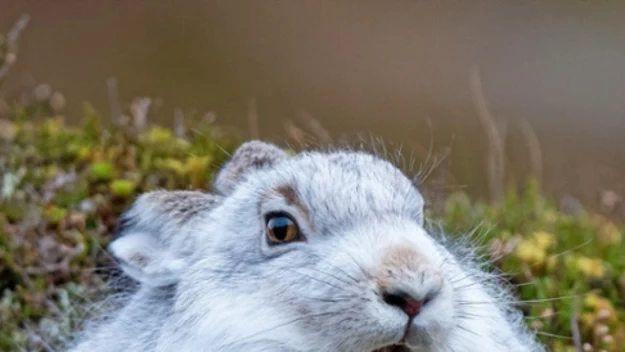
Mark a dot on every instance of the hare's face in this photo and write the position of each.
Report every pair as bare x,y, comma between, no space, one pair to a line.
320,252
316,252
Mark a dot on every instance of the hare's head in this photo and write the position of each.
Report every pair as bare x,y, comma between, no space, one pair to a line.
321,251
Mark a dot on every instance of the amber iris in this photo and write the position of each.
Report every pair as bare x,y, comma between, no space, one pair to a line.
282,229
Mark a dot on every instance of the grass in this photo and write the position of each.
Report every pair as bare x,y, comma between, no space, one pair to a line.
568,268
63,188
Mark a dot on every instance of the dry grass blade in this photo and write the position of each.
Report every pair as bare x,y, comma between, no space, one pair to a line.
315,127
535,151
495,144
113,95
179,128
295,133
576,335
12,39
139,109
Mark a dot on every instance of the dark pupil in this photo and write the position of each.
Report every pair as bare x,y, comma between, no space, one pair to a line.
280,227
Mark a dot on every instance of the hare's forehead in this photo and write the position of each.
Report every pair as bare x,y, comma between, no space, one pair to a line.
346,182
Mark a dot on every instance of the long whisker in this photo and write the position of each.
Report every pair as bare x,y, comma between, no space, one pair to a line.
521,302
339,269
308,276
287,323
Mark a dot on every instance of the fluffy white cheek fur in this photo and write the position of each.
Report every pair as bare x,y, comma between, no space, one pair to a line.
238,328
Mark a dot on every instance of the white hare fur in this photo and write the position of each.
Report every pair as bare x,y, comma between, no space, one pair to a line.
210,280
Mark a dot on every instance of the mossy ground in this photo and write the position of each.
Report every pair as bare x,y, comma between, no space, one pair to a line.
64,187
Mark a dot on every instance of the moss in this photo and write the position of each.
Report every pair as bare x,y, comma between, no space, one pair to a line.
122,188
577,259
102,171
53,214
73,203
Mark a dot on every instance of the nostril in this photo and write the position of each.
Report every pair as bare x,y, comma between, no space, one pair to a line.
410,305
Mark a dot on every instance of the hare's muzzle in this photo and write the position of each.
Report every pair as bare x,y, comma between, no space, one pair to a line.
410,305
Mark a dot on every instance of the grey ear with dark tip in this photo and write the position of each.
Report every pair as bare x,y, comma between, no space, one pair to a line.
152,243
249,157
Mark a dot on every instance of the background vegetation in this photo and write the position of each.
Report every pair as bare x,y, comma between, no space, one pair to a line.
64,186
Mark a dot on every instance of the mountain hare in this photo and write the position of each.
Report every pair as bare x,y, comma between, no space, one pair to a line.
321,251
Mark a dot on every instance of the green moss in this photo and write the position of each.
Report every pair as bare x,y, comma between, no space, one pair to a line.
102,171
122,188
540,247
551,254
53,214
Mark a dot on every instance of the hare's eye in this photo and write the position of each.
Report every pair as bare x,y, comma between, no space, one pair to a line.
281,229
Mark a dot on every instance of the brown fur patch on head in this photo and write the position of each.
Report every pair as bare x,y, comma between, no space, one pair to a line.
290,196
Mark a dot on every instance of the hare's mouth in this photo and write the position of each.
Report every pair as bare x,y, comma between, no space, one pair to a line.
393,348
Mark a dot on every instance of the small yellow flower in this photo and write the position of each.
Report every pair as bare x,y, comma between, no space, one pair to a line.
601,310
197,164
84,154
173,165
544,240
592,300
196,167
609,233
550,216
529,253
159,135
52,127
587,319
592,268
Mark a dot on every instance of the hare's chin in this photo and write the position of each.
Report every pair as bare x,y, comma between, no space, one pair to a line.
393,348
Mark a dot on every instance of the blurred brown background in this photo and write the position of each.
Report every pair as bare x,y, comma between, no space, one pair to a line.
380,67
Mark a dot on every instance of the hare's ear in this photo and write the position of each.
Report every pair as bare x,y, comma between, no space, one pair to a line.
249,157
153,241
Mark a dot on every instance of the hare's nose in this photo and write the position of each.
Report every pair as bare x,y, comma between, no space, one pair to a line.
410,305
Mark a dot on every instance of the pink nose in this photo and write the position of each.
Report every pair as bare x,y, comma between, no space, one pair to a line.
411,306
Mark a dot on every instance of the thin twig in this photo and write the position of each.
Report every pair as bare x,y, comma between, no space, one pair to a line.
496,147
295,133
12,39
315,127
577,339
179,129
140,108
114,106
535,151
